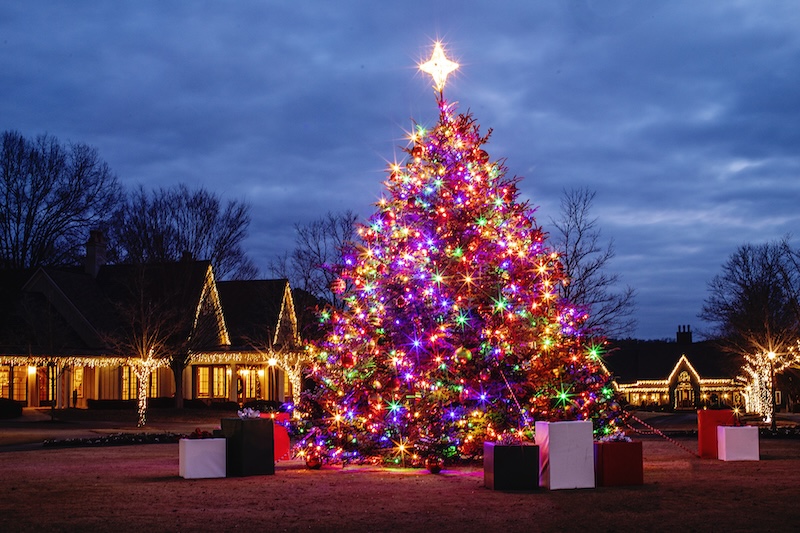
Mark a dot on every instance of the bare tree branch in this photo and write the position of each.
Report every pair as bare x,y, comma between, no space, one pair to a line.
585,260
163,225
51,195
313,265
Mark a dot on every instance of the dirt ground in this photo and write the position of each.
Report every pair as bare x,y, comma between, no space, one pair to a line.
137,488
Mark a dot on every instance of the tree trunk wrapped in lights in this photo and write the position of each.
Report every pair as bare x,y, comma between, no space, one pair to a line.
453,332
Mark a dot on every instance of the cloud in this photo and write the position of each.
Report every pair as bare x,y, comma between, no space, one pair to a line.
682,116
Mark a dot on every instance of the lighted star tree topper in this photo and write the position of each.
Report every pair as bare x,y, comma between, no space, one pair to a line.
453,331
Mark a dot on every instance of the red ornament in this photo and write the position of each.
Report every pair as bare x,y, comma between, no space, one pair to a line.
348,360
338,286
313,461
417,152
434,464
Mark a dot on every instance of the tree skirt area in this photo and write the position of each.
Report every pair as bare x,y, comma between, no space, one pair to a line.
137,488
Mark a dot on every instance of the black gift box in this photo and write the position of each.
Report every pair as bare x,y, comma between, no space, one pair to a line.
251,447
510,467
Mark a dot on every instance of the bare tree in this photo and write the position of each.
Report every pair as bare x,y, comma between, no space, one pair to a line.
585,259
163,225
165,312
753,305
51,194
313,265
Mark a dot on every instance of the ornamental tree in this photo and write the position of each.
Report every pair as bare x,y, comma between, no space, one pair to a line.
453,331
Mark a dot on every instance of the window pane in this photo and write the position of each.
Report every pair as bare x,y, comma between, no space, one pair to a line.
77,380
153,388
5,381
128,384
220,382
19,383
203,390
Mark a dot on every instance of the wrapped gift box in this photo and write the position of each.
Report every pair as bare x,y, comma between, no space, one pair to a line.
251,446
707,422
281,435
514,467
737,443
201,458
566,454
618,463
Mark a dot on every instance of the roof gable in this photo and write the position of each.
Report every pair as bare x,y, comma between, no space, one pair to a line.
634,360
73,296
258,312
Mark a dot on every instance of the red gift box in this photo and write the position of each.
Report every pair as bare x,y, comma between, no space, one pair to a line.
707,422
618,463
280,435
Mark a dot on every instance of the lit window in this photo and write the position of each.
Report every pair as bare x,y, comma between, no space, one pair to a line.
152,390
19,383
203,385
5,381
128,386
77,381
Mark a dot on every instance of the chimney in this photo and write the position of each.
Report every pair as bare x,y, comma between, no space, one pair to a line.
95,252
684,335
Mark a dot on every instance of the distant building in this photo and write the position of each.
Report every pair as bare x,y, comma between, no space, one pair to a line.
680,375
58,328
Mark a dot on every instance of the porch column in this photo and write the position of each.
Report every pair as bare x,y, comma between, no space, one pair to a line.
233,384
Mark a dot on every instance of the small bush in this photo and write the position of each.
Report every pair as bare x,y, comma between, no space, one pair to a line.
265,406
194,404
224,406
162,402
110,404
9,409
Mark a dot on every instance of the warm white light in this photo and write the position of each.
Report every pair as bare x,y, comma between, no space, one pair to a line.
438,66
272,361
31,370
771,355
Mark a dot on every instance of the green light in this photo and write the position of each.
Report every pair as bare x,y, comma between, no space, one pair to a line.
500,304
482,221
563,395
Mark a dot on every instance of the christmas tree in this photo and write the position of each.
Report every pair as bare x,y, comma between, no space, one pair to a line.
453,331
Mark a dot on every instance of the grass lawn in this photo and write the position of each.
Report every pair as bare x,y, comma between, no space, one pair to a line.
137,488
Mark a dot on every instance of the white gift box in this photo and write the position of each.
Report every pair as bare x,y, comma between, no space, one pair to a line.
566,454
201,458
737,443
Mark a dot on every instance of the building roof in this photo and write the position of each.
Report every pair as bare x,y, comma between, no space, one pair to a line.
84,311
634,360
252,309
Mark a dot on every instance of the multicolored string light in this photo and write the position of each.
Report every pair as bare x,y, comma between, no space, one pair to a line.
453,331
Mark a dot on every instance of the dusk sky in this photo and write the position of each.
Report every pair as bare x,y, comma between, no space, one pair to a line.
683,116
